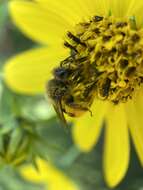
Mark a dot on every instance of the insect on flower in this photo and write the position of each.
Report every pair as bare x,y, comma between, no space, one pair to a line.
63,91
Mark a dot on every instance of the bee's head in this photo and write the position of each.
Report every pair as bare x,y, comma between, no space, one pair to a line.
62,74
56,91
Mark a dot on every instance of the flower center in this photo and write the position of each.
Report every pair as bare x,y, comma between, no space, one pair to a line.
106,62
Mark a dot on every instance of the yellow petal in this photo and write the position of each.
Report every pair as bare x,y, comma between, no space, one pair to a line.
73,11
28,72
126,8
77,10
31,174
36,22
49,175
55,178
135,8
116,145
135,119
100,8
119,8
87,129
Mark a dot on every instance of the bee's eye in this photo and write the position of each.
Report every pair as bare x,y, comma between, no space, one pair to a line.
61,73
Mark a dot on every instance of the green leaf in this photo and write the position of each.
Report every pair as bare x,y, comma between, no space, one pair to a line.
15,140
6,105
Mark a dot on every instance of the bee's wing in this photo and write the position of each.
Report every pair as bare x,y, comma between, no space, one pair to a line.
58,108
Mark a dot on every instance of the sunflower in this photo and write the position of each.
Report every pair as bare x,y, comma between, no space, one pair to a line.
47,175
100,45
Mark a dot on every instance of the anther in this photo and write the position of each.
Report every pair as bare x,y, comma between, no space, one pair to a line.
123,63
97,18
76,39
121,24
135,38
66,44
82,59
130,72
106,38
106,87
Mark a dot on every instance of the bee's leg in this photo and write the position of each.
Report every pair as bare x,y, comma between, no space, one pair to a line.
91,114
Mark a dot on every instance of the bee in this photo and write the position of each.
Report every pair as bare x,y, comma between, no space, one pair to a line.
63,95
74,84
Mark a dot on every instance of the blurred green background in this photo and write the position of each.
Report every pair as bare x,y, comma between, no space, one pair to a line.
29,128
